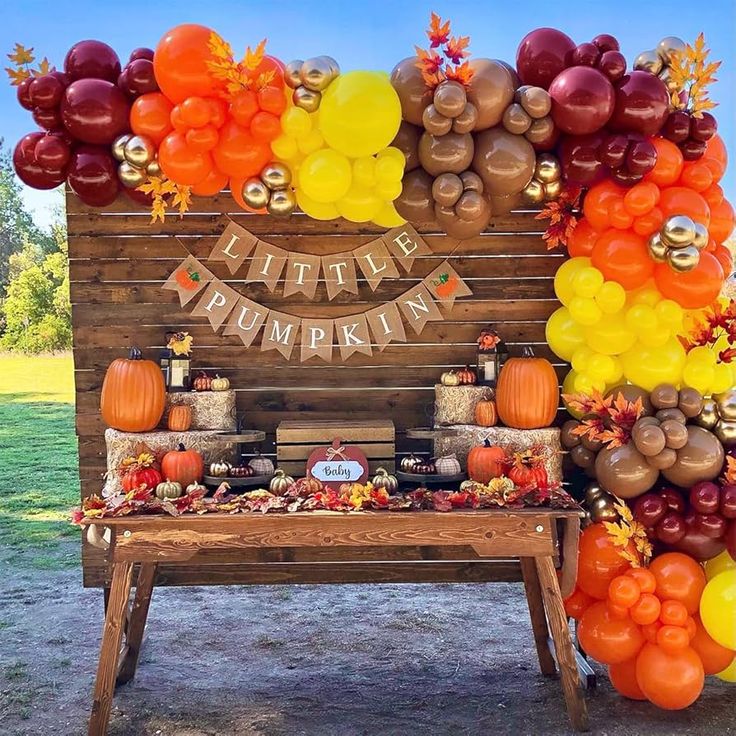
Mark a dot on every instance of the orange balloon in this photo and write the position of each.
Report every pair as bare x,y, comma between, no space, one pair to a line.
236,189
243,107
622,256
721,221
618,215
608,639
624,591
577,603
671,680
218,111
641,198
696,175
672,638
679,578
716,157
215,182
271,99
713,196
647,581
714,657
180,163
646,610
673,613
270,64
180,63
647,224
623,679
597,202
238,154
150,115
683,201
650,631
669,163
582,240
195,112
265,127
692,289
724,257
202,139
599,561
690,627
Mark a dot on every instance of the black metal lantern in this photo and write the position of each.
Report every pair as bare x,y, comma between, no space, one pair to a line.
176,362
492,354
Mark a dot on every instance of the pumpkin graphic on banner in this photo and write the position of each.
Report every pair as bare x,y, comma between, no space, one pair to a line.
338,464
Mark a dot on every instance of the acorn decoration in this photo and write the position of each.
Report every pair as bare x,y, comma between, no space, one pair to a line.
270,190
678,243
137,157
546,183
309,79
719,415
528,115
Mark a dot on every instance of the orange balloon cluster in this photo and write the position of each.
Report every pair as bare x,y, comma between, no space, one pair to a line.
617,223
646,627
207,132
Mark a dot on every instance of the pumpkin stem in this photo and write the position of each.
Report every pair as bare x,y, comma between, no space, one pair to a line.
181,447
135,354
486,442
527,351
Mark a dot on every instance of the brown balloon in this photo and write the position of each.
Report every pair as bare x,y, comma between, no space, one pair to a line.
664,459
665,414
407,141
415,203
461,229
675,434
504,205
450,98
648,439
632,393
466,120
567,436
435,122
664,396
471,206
446,189
472,181
504,161
535,101
447,153
582,457
491,90
691,402
413,93
516,82
700,459
516,120
624,471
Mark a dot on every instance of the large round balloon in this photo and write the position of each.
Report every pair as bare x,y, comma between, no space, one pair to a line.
238,153
693,289
491,90
700,459
27,167
624,471
606,638
580,161
504,161
671,680
679,578
623,679
416,203
599,561
542,54
414,95
718,609
642,104
622,256
582,100
94,111
150,115
92,60
407,141
450,153
563,334
360,113
649,366
93,175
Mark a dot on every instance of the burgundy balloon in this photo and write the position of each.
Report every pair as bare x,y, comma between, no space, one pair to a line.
586,54
580,160
47,119
728,502
612,64
52,153
692,150
730,539
606,42
671,528
28,169
139,197
612,150
642,104
92,60
141,53
46,91
582,100
673,498
22,93
641,156
649,509
705,497
93,175
711,525
94,111
703,128
698,545
676,127
542,54
140,77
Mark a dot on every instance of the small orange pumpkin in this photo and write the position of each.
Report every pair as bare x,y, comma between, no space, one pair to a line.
527,395
180,418
466,376
486,462
485,413
183,466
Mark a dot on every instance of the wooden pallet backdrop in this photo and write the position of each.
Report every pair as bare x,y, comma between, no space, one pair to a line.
118,262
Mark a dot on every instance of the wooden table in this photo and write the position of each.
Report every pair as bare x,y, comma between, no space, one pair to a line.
535,537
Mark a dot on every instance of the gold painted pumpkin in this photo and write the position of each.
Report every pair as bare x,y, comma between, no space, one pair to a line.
180,418
168,489
196,488
133,394
450,378
485,413
220,469
280,482
384,479
220,384
409,462
527,395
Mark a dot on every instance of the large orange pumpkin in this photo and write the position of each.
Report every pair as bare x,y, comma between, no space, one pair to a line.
182,466
486,462
133,394
527,395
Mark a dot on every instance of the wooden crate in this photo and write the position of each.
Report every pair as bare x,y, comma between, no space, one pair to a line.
297,438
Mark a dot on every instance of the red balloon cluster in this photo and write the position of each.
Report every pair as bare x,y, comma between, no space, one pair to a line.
691,134
137,77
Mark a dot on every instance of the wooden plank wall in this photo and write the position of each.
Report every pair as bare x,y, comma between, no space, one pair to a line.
118,262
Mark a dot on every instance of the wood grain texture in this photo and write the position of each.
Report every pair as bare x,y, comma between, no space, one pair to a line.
537,615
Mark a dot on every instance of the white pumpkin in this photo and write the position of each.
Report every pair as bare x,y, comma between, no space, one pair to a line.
261,465
220,384
448,465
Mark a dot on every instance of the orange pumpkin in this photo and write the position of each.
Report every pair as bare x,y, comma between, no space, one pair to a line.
527,395
133,394
486,462
182,466
485,413
180,418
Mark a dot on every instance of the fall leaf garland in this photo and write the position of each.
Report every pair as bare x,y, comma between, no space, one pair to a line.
237,75
437,67
691,73
607,420
165,193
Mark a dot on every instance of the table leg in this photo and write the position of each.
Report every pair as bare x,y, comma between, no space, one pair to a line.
137,622
109,651
537,615
574,698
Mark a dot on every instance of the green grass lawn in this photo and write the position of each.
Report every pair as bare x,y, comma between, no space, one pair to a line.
38,459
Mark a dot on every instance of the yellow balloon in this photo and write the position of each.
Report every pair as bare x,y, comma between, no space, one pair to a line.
364,171
360,113
646,295
729,674
610,336
388,190
722,378
325,176
395,154
564,335
702,354
568,387
647,367
611,297
581,357
388,216
587,282
719,564
359,204
698,376
310,142
641,319
388,169
285,148
316,210
670,313
617,374
655,338
718,608
601,367
296,122
584,310
564,276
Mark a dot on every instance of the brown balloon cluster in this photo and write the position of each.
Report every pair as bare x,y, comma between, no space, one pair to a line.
719,415
136,155
678,243
309,79
270,190
529,115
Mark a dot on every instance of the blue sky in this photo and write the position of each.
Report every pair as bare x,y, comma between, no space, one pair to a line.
374,35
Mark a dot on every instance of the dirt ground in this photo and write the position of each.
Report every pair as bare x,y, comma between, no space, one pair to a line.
307,660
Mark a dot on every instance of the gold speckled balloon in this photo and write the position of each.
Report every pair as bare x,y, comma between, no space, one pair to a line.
316,74
548,168
726,433
683,259
601,508
657,248
668,45
726,403
533,192
131,176
292,73
678,231
307,99
708,416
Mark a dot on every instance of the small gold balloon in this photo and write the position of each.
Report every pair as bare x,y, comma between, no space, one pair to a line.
139,151
316,74
678,231
276,175
726,433
154,168
118,146
666,76
708,417
334,66
291,73
552,190
726,403
131,176
592,491
683,259
601,509
547,168
649,61
533,192
669,45
307,99
657,248
255,193
701,236
282,202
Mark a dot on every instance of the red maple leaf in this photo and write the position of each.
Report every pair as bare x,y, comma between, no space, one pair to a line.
456,49
438,32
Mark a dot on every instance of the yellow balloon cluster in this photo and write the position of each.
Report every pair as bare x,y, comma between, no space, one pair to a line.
340,157
718,608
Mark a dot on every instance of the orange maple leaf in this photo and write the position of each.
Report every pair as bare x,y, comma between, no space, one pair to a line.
17,75
253,59
438,32
21,55
455,50
462,74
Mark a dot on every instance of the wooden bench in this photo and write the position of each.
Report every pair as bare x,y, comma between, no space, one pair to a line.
305,547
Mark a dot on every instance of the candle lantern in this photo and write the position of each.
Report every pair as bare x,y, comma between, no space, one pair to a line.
492,354
176,361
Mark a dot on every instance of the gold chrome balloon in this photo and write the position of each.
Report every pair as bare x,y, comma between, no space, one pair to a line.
118,146
552,190
601,508
547,168
154,168
669,45
666,76
307,99
255,193
592,491
334,66
683,259
291,73
708,417
649,61
282,202
657,248
276,175
316,73
726,433
701,236
678,231
130,176
533,192
139,151
726,403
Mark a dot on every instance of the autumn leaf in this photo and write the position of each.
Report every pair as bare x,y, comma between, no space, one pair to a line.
253,59
691,74
438,32
462,74
21,56
17,75
456,48
563,214
43,68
